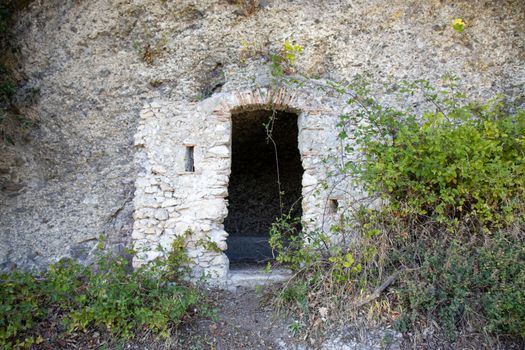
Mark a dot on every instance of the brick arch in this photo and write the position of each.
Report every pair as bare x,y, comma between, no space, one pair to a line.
284,99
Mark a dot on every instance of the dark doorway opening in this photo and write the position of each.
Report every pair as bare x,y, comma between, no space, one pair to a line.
253,188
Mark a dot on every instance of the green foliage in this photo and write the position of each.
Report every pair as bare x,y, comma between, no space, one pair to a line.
296,293
20,306
151,298
452,179
456,280
177,260
283,61
458,25
295,247
209,245
123,302
344,266
450,175
458,162
502,277
295,327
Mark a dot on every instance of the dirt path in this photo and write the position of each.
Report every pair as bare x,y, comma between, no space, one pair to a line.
242,322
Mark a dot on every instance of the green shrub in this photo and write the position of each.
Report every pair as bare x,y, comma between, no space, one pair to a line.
457,283
452,178
502,282
449,234
20,307
123,302
109,297
459,162
288,241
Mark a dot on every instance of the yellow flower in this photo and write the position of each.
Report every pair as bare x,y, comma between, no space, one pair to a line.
458,25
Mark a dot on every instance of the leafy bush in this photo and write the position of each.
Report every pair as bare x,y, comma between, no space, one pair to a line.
452,180
448,238
288,240
461,284
111,298
502,282
20,308
460,162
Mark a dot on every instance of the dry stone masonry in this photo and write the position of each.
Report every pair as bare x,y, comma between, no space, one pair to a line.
170,200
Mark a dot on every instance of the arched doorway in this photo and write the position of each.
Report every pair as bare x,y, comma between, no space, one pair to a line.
265,181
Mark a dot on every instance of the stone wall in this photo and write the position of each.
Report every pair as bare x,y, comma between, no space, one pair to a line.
97,63
169,200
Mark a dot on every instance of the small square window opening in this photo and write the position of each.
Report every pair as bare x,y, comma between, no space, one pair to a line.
189,165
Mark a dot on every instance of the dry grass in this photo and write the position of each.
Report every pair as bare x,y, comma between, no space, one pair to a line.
371,300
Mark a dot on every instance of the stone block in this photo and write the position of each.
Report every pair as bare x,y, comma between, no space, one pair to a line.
308,180
170,202
161,214
219,151
158,169
194,253
151,189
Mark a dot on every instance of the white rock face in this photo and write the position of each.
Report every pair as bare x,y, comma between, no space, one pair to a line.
113,128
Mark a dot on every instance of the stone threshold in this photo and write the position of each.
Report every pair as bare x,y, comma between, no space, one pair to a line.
252,277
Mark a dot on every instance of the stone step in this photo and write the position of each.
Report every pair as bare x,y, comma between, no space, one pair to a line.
250,278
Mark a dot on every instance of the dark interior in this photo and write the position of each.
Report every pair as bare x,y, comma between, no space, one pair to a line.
253,189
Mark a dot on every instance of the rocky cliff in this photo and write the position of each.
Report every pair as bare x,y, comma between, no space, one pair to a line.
95,63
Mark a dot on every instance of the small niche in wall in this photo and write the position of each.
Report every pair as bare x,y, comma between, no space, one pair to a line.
333,205
189,162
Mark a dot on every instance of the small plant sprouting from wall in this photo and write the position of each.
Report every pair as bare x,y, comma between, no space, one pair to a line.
458,25
209,245
284,60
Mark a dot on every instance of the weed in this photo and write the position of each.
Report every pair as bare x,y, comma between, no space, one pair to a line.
295,327
209,245
152,298
458,25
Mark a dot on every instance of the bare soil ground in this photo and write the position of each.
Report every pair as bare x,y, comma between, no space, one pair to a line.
238,320
242,322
